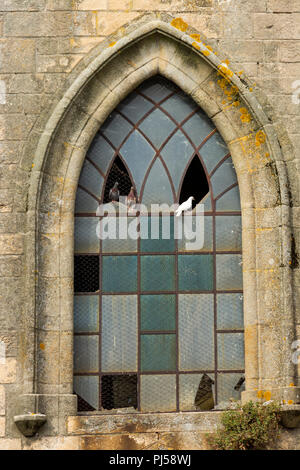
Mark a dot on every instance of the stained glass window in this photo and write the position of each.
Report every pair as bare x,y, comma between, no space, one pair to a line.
158,324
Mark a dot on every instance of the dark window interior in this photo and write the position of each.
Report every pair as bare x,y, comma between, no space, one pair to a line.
119,391
86,273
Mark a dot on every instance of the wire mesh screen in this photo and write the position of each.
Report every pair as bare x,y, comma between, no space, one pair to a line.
158,325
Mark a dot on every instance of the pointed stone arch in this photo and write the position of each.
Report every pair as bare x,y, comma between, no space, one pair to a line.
106,76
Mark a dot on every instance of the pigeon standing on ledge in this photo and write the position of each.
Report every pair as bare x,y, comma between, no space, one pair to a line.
185,206
114,193
131,199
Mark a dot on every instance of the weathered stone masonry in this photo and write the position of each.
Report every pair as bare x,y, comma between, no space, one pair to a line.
64,66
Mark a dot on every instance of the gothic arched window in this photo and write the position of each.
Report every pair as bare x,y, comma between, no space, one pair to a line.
158,326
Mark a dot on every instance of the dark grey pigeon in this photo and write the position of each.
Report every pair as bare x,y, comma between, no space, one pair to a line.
114,193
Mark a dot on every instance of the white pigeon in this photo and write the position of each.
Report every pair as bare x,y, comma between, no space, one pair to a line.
185,206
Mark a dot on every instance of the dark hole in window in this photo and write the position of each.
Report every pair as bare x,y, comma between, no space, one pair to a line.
83,405
119,391
118,173
194,183
86,273
204,399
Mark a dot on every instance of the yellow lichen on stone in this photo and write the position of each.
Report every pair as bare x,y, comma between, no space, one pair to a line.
260,138
245,116
292,384
196,46
42,346
225,70
290,402
259,393
112,44
267,395
178,23
197,37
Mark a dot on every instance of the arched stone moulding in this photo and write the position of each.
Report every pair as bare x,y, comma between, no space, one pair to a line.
112,70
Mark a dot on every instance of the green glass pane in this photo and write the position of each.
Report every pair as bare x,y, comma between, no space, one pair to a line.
186,244
228,233
195,272
86,353
158,352
157,273
158,392
231,351
158,312
160,233
229,272
85,233
120,245
86,309
119,273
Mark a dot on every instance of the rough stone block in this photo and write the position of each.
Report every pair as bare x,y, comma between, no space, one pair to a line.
8,371
10,444
51,23
284,26
23,5
2,401
11,244
17,55
108,22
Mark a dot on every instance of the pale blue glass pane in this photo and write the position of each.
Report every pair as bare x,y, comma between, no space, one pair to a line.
228,233
120,245
195,272
195,225
223,177
158,352
229,272
198,127
91,179
156,90
207,202
176,155
161,228
158,312
138,154
119,273
101,152
231,351
119,333
157,126
226,384
116,128
157,273
230,311
85,203
157,188
86,353
230,201
188,387
88,389
196,331
86,309
179,106
213,151
135,107
158,392
85,233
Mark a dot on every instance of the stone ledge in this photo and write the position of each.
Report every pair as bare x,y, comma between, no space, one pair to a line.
143,423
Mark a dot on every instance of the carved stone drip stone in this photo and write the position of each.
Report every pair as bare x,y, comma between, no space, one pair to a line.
29,424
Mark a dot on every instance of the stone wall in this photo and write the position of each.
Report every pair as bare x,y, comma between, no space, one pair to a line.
44,45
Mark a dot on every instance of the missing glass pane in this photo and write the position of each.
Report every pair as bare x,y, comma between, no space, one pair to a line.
119,391
118,173
86,273
83,405
194,183
204,399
